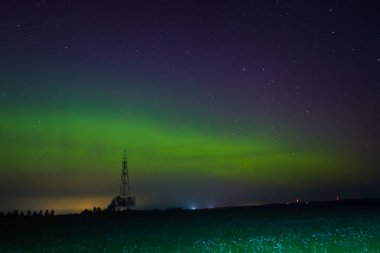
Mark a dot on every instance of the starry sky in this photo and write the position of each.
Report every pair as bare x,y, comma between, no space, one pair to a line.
216,103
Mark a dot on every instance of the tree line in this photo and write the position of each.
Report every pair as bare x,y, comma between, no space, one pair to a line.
28,213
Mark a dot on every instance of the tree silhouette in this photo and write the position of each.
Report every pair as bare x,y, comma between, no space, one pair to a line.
86,212
96,210
52,212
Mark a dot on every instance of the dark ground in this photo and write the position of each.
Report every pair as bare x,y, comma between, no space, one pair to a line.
347,226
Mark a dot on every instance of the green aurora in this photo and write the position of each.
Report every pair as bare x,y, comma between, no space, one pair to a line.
62,142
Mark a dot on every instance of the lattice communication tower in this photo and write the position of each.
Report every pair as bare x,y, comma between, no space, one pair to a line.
124,201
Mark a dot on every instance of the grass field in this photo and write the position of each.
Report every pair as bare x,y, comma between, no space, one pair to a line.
227,230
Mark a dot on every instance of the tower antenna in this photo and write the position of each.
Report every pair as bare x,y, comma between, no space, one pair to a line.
124,184
124,201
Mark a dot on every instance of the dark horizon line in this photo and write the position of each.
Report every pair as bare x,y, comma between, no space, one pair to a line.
327,203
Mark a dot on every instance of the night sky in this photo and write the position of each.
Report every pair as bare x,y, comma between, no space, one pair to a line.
216,103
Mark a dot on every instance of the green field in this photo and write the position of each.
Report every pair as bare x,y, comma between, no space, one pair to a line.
228,230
